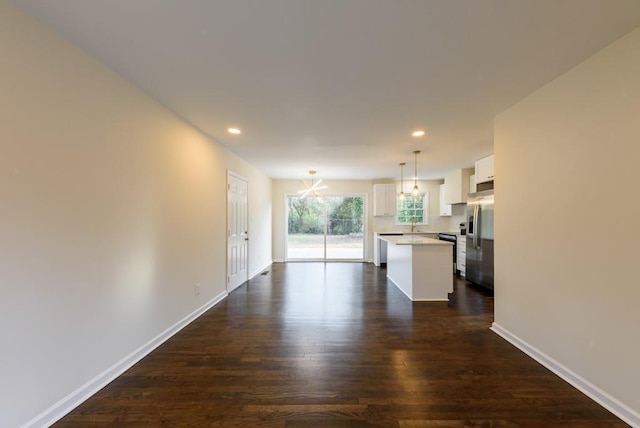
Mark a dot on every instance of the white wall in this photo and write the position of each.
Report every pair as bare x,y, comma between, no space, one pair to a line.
111,210
567,162
372,224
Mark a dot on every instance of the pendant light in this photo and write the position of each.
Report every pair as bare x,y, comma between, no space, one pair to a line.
401,194
415,193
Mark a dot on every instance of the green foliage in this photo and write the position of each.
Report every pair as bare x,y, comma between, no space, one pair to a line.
410,211
345,215
305,215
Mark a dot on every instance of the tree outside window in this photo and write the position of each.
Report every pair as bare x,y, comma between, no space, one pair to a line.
344,213
413,212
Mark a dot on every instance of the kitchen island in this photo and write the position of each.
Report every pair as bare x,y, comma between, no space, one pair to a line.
420,267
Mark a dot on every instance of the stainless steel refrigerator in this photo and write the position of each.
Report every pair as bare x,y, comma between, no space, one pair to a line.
480,238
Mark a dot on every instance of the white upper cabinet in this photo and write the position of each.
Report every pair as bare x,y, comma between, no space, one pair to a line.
445,209
456,186
484,169
384,199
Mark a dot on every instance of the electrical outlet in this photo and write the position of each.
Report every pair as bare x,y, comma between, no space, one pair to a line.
197,290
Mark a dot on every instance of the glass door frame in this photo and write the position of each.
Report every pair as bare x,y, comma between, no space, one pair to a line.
365,228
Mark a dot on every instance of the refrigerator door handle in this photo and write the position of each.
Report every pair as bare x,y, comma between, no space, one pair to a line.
479,234
476,232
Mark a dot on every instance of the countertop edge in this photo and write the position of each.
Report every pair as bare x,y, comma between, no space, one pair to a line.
394,233
400,240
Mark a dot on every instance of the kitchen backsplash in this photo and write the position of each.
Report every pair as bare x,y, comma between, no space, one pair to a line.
436,223
458,215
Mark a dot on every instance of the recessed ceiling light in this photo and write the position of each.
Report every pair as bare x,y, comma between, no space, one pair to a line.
418,133
233,131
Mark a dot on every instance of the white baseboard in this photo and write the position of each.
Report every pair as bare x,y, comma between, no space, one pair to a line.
610,403
259,271
77,397
278,260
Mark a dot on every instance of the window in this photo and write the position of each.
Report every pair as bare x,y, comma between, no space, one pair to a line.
410,212
331,228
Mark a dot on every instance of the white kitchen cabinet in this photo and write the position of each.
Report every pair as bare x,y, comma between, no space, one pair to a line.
472,184
384,199
484,169
456,186
377,251
445,209
461,255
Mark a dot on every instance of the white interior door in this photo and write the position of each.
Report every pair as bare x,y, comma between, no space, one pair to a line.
237,231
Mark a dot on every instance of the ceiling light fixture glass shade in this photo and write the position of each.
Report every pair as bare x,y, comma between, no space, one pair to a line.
234,131
401,194
311,189
418,133
415,193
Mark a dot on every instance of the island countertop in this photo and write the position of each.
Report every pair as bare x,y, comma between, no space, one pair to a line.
413,240
421,232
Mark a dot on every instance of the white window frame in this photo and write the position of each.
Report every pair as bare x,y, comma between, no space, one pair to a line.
425,210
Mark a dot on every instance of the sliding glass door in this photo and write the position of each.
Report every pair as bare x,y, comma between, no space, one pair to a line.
328,228
345,227
306,228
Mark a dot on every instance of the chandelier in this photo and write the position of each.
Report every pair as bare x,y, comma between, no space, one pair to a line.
311,189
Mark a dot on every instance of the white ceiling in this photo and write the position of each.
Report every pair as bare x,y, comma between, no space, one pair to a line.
338,85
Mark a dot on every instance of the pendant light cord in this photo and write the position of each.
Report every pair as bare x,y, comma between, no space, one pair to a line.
415,193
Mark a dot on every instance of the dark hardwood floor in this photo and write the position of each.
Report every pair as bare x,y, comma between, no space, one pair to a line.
338,345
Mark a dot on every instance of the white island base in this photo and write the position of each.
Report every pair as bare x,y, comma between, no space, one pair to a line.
422,268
